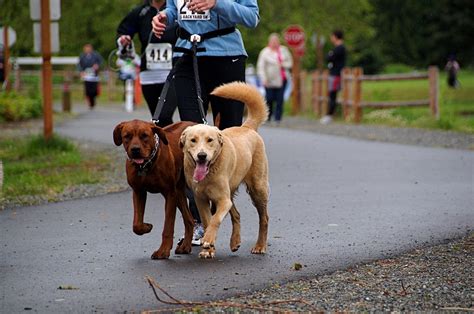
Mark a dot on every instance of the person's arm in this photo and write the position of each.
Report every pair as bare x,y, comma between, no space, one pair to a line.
287,58
127,28
261,68
164,18
171,12
244,12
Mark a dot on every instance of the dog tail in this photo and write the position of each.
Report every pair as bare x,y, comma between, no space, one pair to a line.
251,97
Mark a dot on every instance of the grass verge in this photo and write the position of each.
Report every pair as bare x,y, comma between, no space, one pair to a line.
456,105
35,167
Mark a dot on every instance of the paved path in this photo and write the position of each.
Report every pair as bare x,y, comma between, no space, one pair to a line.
334,202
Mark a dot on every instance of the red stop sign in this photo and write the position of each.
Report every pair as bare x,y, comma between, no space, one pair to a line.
294,36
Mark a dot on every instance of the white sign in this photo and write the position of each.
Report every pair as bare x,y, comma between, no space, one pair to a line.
11,36
54,37
54,10
188,15
159,56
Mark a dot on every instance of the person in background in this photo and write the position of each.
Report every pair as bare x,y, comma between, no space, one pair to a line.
221,57
336,62
273,68
89,65
156,58
452,68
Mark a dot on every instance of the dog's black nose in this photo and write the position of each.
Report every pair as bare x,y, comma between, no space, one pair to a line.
202,156
135,151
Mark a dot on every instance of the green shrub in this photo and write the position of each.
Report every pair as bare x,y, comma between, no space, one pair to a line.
396,68
14,107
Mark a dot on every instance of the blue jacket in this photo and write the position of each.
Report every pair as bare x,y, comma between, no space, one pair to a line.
225,14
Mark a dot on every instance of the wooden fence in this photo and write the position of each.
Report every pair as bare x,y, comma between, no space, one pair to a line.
350,97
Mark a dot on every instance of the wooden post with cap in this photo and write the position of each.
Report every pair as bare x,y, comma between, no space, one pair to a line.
6,57
296,96
46,69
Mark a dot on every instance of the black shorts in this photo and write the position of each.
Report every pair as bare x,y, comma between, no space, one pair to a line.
213,72
91,88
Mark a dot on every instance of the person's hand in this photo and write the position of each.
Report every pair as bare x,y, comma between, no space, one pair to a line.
159,24
201,5
125,40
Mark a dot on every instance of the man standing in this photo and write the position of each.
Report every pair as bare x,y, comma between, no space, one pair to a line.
336,62
89,64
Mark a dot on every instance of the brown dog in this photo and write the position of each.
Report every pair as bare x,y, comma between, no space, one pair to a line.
155,165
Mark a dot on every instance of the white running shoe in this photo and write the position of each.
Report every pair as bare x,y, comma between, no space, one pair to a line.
198,233
325,120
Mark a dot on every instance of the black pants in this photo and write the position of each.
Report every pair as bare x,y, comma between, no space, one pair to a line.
332,102
275,95
152,93
91,90
213,72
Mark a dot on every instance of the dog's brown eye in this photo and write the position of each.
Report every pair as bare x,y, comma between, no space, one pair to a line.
127,136
209,140
193,140
144,136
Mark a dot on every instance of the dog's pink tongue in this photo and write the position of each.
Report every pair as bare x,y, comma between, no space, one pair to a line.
139,161
200,172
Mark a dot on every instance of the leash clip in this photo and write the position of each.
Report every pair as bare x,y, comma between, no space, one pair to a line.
195,38
155,121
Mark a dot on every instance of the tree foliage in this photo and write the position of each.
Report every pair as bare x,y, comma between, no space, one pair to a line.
425,32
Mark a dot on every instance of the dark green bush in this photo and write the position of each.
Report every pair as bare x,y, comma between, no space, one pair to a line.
14,107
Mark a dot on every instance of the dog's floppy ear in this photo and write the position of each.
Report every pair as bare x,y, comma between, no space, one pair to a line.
118,134
161,134
220,138
182,139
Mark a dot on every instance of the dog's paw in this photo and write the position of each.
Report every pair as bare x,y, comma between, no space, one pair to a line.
259,249
161,254
207,245
142,229
207,254
183,248
234,243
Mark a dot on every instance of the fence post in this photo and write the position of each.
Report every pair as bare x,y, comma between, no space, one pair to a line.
110,83
324,93
433,77
358,72
345,92
67,91
17,85
303,103
316,91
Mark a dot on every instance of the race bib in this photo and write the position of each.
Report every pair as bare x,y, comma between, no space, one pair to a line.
159,56
89,72
188,15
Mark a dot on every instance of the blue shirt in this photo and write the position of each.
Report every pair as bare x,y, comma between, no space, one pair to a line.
225,14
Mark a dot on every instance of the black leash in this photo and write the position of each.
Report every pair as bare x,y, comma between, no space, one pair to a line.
162,99
195,39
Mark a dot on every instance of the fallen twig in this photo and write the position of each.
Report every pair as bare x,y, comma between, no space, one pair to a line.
224,304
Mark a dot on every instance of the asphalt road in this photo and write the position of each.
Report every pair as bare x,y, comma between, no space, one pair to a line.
335,202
